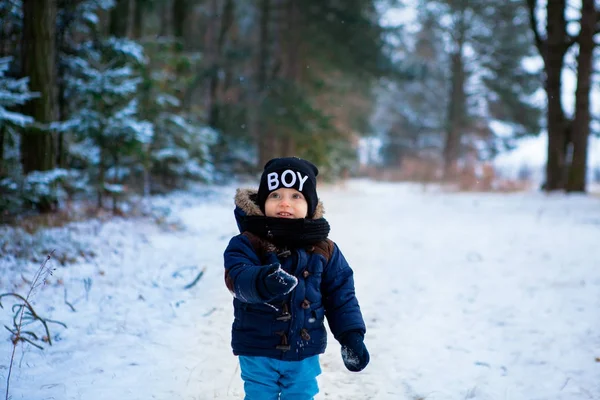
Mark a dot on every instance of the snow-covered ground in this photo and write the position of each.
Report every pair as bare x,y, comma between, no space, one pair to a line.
466,296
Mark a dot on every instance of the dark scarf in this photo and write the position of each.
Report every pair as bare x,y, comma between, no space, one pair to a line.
283,232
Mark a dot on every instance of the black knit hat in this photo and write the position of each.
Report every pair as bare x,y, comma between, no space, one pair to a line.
289,172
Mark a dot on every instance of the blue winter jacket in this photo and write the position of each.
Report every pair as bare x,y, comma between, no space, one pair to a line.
290,327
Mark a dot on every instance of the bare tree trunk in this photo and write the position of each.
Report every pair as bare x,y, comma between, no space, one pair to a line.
39,23
165,9
138,19
581,123
130,18
210,56
101,175
213,43
186,20
227,20
291,70
456,108
180,11
256,120
272,137
555,49
121,18
61,145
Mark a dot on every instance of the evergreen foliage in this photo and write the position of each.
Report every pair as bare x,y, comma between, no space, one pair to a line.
103,89
13,92
153,95
180,149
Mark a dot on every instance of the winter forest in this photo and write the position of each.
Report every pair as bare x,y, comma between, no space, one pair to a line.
127,125
144,96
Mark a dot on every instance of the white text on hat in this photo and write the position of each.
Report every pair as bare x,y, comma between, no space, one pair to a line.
273,179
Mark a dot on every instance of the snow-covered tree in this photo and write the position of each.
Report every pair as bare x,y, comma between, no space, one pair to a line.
76,22
13,92
109,133
181,150
181,147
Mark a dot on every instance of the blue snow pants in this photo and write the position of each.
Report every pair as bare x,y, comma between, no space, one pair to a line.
270,379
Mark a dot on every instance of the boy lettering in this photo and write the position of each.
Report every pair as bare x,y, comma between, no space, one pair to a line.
273,180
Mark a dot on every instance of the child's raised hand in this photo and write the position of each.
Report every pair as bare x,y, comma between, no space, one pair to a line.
276,281
354,352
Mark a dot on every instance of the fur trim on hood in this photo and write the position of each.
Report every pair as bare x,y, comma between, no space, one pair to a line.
245,199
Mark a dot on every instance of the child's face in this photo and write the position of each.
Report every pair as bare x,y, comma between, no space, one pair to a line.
286,203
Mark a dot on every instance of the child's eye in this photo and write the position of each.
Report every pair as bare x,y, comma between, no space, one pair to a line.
274,195
297,196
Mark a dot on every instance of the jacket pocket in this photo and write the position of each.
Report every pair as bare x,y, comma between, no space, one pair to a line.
260,311
254,323
244,314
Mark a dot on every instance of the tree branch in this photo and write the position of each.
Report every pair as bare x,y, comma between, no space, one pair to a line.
575,39
571,40
539,41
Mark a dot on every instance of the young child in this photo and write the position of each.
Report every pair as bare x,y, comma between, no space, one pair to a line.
286,276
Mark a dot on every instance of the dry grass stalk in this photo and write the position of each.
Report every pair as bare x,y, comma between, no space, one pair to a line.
25,308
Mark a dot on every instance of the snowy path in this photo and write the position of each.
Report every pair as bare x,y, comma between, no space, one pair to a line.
466,296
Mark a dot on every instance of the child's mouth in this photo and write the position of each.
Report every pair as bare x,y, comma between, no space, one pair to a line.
285,215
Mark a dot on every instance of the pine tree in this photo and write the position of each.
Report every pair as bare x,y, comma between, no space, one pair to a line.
13,93
104,87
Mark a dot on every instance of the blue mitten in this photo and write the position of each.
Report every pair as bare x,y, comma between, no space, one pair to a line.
354,352
274,281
